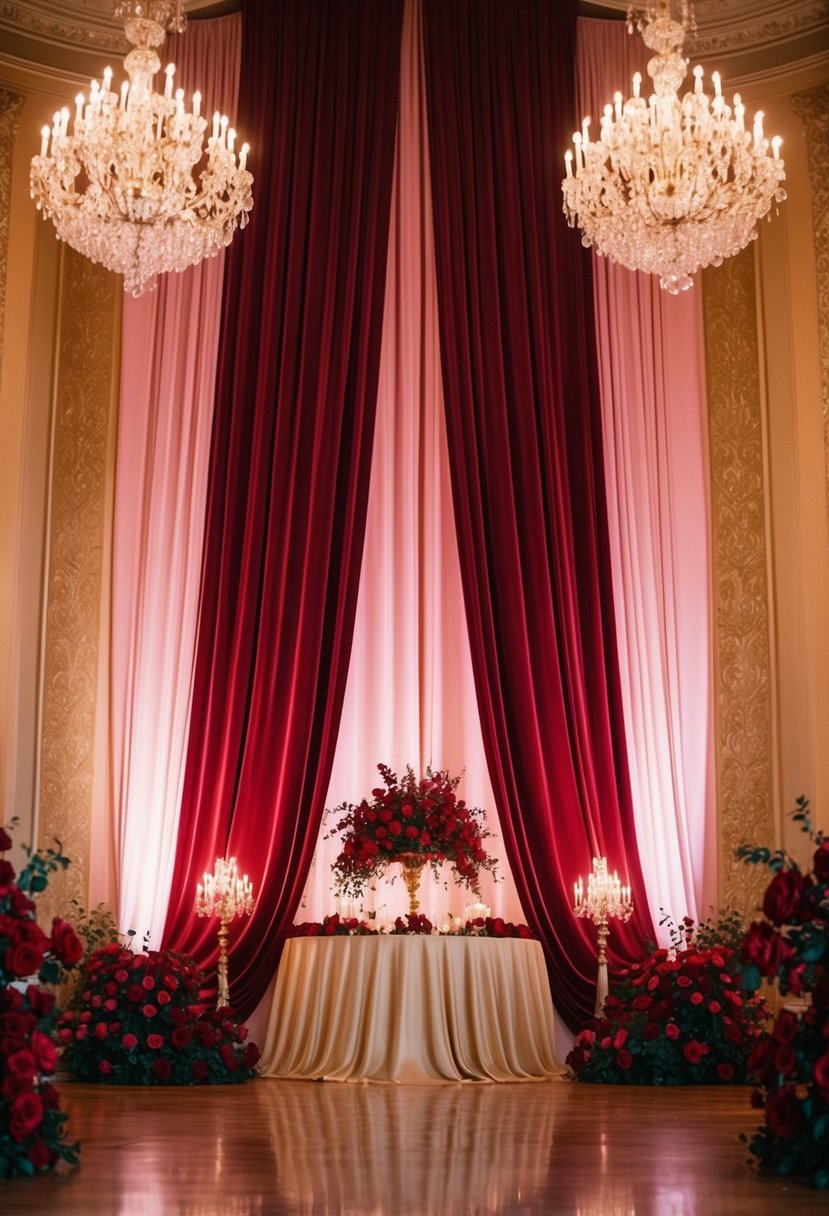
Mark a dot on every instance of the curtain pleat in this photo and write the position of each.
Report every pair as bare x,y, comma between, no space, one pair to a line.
524,433
170,340
290,462
410,696
654,426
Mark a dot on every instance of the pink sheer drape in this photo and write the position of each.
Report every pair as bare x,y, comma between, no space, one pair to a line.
410,697
169,350
653,417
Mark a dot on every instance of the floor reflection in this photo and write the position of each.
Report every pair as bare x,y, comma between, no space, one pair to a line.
276,1148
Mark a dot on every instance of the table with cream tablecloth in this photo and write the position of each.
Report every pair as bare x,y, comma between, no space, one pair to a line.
411,1008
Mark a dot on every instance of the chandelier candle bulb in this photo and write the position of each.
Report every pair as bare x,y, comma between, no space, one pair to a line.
121,188
225,895
606,897
673,185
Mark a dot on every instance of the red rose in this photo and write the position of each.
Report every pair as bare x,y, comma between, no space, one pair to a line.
149,1011
784,894
180,1038
821,1075
5,841
725,1072
411,832
129,1041
786,1026
199,1070
41,1156
820,863
694,1051
672,1030
148,983
765,948
250,1055
395,827
25,1114
697,998
624,1059
25,958
101,1031
45,1052
104,1067
66,943
651,1031
155,1041
16,1084
684,981
6,875
162,1069
714,1007
163,997
781,1112
121,976
22,1063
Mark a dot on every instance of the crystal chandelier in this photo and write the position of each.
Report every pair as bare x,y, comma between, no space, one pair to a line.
120,188
671,185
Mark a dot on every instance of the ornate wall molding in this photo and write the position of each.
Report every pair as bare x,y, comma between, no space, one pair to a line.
87,340
11,105
742,657
812,108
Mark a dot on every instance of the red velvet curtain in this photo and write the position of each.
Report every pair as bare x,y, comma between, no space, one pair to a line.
524,431
291,453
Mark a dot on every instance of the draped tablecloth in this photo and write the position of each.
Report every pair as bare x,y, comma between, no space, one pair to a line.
411,1008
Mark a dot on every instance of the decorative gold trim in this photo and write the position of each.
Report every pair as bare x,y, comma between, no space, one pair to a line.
742,658
89,329
11,105
812,108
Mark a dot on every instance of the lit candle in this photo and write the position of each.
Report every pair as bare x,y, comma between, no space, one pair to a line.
44,140
243,156
197,103
169,72
215,134
698,79
758,128
107,79
617,104
637,83
775,146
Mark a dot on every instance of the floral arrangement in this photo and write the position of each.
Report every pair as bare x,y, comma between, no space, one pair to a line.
32,1132
410,817
791,1063
677,1018
136,1020
337,926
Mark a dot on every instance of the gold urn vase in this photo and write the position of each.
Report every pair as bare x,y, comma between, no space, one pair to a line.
412,865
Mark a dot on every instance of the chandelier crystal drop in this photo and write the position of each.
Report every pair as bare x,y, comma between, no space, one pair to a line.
671,185
120,186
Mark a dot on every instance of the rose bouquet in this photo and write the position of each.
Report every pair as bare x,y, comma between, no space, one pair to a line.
678,1018
412,923
410,817
791,1063
136,1020
31,1122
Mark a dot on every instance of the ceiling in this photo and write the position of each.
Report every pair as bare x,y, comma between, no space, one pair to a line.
745,37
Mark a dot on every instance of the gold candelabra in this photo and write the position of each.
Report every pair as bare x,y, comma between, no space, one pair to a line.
605,898
225,895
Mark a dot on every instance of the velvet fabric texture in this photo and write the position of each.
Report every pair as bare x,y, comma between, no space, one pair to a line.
291,452
524,433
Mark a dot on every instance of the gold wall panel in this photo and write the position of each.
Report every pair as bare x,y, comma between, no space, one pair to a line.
84,412
11,105
742,658
812,108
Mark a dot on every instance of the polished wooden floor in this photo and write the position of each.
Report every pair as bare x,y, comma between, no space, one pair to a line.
274,1147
